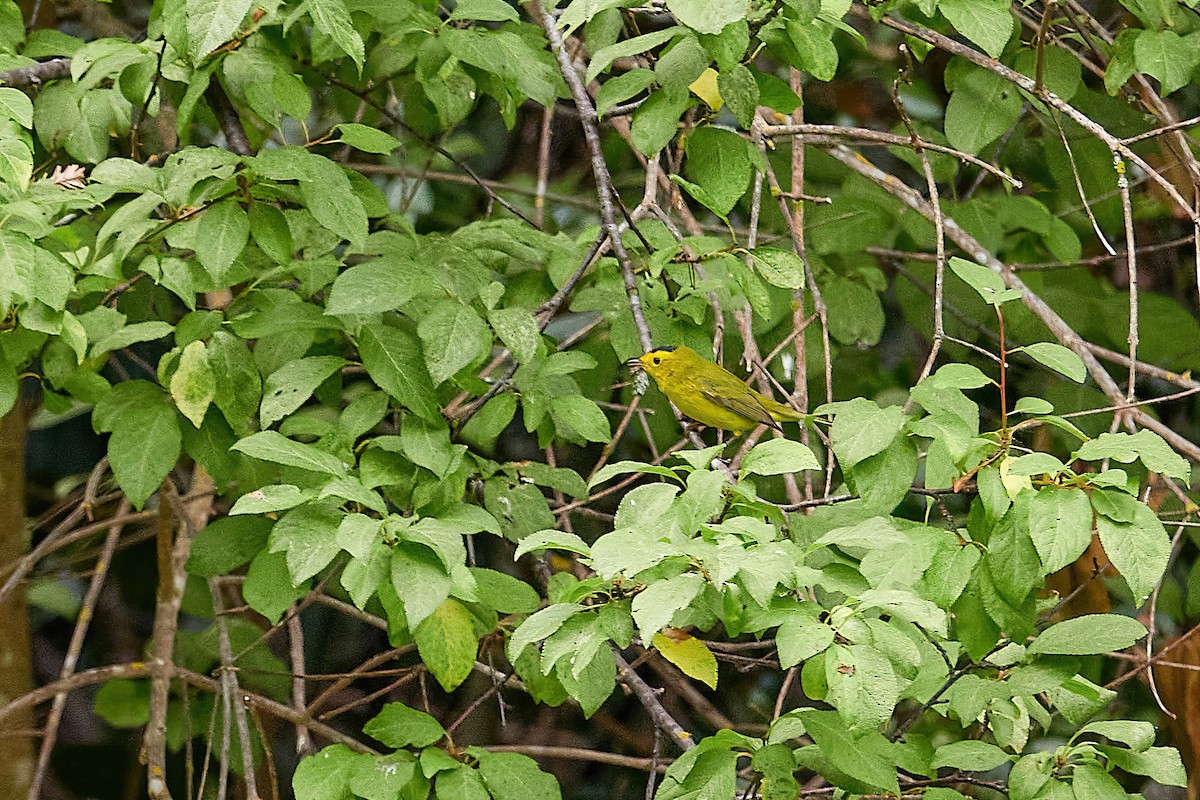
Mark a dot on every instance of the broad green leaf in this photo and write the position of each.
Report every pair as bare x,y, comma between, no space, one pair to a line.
504,593
1060,524
397,725
518,329
552,540
1167,56
539,626
511,776
308,535
332,18
226,544
268,588
708,16
1088,635
781,268
421,580
983,280
447,644
740,92
366,138
655,605
485,11
719,162
146,440
610,471
1140,550
280,497
452,336
779,457
275,447
211,23
987,23
392,357
1058,358
861,428
1138,735
848,753
326,775
1159,763
605,56
970,756
800,637
290,386
193,385
221,235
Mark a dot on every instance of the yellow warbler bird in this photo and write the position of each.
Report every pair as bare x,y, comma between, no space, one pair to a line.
709,393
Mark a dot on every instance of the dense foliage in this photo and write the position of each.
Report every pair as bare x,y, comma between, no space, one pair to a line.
408,501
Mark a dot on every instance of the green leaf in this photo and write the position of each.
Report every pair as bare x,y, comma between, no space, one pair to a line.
740,93
1146,445
211,23
654,606
580,419
656,121
861,428
447,644
610,471
603,58
1058,358
397,725
800,637
366,138
268,588
539,626
392,357
221,235
485,11
17,106
1159,763
146,440
552,539
325,776
332,18
1167,56
779,457
987,23
1138,735
1095,783
237,385
518,329
226,544
691,655
511,776
459,782
848,753
308,535
453,336
971,131
708,16
719,162
622,87
988,283
781,268
970,756
421,579
123,703
1060,524
275,447
504,593
1140,550
290,386
1091,634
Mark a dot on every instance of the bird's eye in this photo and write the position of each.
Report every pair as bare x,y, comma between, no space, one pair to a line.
657,360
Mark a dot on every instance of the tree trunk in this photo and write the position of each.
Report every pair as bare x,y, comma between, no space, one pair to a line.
16,752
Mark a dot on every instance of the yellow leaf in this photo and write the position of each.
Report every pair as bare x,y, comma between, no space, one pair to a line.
705,87
690,654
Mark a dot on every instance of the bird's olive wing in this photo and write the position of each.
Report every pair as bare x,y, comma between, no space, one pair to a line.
746,405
